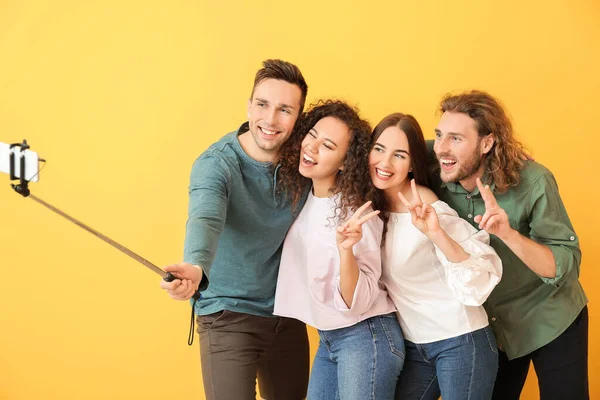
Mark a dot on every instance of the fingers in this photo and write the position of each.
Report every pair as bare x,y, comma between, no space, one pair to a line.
486,194
414,215
182,290
351,229
477,218
404,200
367,217
489,224
176,288
361,209
426,209
484,219
497,215
416,196
185,270
356,219
180,270
170,285
350,240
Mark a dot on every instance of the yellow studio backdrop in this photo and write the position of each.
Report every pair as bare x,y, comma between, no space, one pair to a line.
121,96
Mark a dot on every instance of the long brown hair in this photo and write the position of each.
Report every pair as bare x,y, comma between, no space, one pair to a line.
504,161
417,149
354,183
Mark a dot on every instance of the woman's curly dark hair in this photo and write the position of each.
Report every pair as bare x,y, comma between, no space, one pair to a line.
354,182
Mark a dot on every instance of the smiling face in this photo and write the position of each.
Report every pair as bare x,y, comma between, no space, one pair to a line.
323,151
390,161
459,148
272,113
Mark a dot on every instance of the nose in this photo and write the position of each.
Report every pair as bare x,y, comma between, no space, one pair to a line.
271,117
386,161
313,146
441,145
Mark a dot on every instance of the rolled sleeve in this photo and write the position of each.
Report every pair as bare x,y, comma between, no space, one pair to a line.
550,226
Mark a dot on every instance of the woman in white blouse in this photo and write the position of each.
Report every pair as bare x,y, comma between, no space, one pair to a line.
438,270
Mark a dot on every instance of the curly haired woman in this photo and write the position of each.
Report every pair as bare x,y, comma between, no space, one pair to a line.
331,262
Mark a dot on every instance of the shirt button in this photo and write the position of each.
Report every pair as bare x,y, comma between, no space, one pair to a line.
572,238
468,196
493,319
470,215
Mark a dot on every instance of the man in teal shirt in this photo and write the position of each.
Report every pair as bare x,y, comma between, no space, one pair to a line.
236,226
538,310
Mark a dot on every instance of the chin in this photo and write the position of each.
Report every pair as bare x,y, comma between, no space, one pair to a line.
448,178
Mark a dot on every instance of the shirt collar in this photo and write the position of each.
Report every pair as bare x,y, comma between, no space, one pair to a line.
456,187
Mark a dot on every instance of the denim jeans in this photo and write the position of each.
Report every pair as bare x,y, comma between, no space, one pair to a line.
459,368
360,362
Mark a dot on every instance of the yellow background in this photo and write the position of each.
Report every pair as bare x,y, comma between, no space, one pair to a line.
121,96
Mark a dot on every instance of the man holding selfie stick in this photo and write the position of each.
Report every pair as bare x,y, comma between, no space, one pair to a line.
236,226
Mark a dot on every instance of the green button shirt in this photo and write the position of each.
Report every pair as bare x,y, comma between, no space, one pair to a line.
528,311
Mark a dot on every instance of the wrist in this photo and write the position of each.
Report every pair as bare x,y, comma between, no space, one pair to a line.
436,235
199,272
510,236
344,252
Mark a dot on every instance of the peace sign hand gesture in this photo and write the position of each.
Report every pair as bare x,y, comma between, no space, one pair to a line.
424,217
495,219
350,233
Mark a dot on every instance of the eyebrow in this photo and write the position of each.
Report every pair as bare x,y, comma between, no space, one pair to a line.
326,139
450,133
282,105
396,151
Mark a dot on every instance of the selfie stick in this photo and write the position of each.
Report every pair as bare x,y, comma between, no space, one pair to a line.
23,189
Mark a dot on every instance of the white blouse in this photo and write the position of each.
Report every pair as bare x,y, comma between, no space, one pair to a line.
438,299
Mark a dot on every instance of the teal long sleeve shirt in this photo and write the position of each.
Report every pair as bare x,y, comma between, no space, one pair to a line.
235,230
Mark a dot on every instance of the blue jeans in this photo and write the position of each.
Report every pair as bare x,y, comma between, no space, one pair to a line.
460,368
360,362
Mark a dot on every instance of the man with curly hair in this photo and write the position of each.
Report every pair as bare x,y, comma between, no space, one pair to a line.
235,230
539,309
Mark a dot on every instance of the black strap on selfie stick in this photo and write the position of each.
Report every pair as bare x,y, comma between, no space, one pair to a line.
23,189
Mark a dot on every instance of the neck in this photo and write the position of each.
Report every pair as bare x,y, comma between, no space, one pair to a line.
322,187
392,199
251,148
470,183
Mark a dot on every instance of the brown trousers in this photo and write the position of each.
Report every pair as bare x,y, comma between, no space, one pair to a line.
235,348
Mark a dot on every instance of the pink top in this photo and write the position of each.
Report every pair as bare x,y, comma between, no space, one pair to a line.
308,287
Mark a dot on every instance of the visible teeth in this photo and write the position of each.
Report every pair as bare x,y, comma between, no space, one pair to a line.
307,158
268,132
447,161
383,173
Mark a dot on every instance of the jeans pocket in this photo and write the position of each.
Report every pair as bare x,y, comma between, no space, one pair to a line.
208,321
491,339
393,334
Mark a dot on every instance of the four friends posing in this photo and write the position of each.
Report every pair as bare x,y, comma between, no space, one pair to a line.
423,278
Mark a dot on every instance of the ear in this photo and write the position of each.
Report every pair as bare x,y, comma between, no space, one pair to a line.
249,105
487,143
